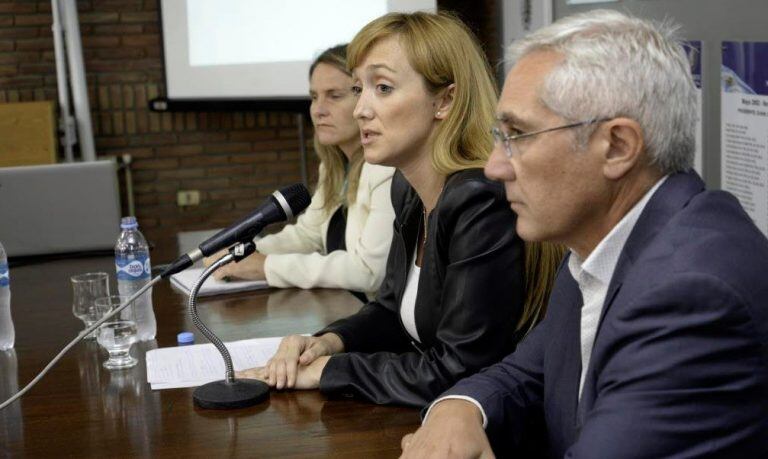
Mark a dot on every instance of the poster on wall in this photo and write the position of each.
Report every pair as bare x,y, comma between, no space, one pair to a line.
693,50
744,126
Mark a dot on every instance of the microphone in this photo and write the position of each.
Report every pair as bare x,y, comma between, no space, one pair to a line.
282,205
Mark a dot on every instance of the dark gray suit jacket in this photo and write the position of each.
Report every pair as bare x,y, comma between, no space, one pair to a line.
679,366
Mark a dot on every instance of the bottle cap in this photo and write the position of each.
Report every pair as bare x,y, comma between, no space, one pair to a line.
129,223
185,338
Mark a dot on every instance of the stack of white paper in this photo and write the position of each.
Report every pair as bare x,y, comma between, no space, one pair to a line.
185,280
191,366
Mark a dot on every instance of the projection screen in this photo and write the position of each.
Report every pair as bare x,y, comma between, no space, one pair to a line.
258,49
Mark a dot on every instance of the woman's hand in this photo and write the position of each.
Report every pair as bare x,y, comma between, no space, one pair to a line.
250,268
306,377
295,354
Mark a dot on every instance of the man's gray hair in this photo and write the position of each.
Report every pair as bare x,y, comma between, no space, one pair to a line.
616,65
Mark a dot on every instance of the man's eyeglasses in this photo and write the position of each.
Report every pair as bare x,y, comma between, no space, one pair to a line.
510,147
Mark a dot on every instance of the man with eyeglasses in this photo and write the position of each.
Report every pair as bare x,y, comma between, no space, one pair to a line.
655,342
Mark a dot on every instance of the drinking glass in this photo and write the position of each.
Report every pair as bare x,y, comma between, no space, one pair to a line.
118,334
85,289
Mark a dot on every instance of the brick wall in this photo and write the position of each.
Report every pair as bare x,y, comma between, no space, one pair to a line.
235,159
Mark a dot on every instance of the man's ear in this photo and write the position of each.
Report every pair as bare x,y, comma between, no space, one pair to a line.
444,101
625,145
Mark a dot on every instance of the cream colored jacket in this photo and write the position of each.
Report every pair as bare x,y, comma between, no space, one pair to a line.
297,255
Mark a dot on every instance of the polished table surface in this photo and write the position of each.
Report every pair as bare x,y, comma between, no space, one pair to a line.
81,409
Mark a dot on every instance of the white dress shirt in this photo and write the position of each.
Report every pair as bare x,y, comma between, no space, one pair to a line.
593,276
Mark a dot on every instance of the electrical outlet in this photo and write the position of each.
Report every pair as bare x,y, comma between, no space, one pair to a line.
186,198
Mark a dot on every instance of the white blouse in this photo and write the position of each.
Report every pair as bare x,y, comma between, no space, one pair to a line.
408,303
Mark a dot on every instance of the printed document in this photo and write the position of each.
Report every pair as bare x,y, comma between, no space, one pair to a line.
186,280
198,364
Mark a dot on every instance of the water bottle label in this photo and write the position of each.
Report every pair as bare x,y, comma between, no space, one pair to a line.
137,268
5,278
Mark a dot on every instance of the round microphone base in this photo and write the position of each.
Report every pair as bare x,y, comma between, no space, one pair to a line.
221,395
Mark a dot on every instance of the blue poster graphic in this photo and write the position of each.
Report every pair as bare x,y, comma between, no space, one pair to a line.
744,70
5,278
693,51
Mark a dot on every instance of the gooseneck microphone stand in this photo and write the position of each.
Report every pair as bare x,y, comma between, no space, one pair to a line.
230,393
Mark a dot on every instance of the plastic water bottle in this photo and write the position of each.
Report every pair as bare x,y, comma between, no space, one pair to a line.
7,333
133,272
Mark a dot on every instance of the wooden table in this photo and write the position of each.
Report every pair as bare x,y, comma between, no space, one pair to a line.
81,409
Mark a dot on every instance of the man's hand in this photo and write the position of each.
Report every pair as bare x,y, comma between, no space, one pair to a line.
307,376
453,429
249,268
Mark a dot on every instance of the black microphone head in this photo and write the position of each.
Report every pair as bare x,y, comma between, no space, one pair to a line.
293,199
283,205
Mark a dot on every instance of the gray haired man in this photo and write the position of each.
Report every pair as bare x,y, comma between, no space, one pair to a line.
655,342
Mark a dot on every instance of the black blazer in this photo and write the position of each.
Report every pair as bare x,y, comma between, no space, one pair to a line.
470,297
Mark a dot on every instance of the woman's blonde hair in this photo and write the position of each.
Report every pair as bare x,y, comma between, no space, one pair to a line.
333,160
444,51
541,262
